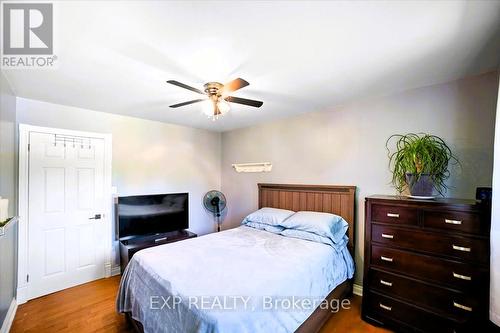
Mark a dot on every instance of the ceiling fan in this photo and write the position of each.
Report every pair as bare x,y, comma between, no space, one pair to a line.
218,96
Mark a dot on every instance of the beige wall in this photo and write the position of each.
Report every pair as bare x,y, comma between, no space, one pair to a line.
8,189
148,156
8,145
346,145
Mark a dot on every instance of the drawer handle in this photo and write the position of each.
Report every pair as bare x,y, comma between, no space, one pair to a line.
463,307
385,283
452,221
461,248
387,236
385,307
386,258
392,215
462,277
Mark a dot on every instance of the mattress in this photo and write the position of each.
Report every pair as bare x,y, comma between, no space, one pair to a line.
239,280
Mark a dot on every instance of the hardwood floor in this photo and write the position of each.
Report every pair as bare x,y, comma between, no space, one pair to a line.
86,308
349,321
91,308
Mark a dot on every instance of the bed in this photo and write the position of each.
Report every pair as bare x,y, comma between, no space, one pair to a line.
244,279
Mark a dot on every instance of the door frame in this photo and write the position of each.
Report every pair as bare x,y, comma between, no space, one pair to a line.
23,285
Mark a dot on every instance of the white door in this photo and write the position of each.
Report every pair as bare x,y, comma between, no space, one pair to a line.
66,192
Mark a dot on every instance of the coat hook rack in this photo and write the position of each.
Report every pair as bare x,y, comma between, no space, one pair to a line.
74,140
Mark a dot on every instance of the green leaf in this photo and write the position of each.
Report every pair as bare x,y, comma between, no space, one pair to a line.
420,154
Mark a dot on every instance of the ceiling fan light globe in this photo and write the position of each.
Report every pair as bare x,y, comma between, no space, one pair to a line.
224,106
207,108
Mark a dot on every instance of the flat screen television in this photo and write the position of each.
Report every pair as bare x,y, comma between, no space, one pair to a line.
143,215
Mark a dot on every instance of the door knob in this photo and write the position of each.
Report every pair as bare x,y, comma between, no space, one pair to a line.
96,217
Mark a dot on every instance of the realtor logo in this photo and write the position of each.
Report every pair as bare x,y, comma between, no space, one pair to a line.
27,35
27,28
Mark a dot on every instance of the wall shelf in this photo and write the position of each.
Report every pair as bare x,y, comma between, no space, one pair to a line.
6,224
253,167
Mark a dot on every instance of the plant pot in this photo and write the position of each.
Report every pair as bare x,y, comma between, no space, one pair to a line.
421,187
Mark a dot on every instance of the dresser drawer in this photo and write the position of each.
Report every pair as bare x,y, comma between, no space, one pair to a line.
385,308
464,277
394,214
455,221
457,305
463,248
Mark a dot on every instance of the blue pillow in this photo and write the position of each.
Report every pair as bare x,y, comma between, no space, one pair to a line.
326,225
270,216
294,233
275,229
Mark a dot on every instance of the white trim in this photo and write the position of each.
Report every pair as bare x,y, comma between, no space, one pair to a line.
116,270
9,317
22,223
23,292
22,295
107,269
357,289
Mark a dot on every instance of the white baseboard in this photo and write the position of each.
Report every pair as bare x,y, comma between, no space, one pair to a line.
357,289
9,318
116,270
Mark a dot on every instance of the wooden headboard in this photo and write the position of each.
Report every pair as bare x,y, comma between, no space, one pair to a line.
338,200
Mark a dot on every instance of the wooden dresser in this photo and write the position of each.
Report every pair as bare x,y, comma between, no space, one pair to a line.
426,264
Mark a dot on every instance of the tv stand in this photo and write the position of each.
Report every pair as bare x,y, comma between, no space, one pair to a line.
130,246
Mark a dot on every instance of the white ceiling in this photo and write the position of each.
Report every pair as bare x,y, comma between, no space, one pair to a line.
298,56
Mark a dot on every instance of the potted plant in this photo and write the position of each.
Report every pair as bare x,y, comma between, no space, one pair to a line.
420,163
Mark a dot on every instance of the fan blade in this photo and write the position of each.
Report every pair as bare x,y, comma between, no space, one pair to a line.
235,85
244,101
185,86
187,103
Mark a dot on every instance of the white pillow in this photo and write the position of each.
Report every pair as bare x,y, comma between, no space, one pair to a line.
322,224
267,215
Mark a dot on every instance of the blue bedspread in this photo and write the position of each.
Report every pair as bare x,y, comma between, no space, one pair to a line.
239,280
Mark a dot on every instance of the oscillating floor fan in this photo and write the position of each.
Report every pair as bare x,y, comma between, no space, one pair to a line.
215,202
